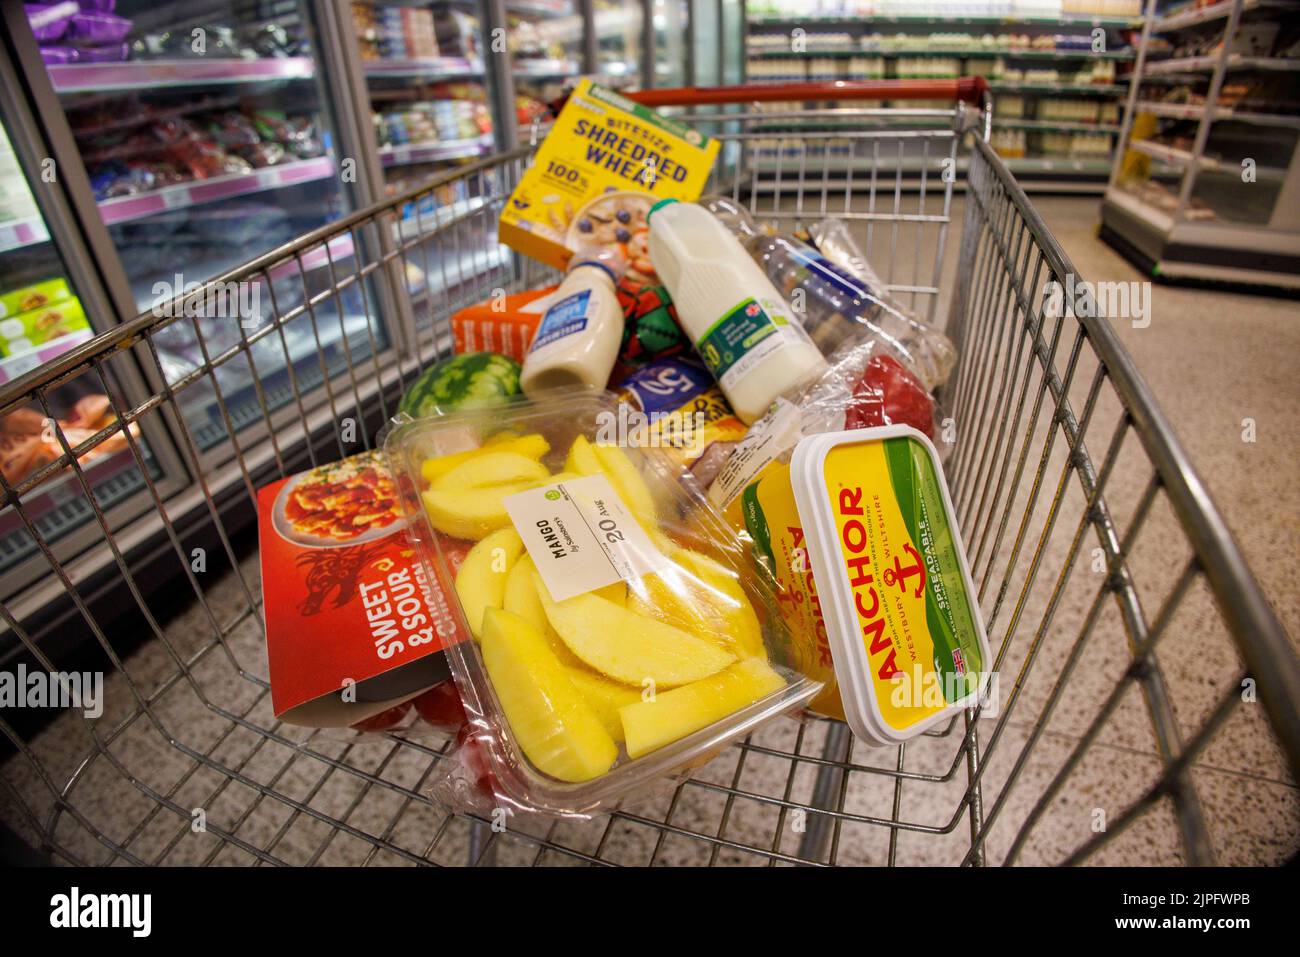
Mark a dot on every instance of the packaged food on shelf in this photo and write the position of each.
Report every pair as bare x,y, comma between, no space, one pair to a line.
34,296
25,330
620,632
27,442
862,538
594,178
744,331
354,627
578,339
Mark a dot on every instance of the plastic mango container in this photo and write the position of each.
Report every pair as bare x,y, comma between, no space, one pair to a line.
873,582
622,633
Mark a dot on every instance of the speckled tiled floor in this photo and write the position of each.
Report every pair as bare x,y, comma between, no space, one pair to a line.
1213,360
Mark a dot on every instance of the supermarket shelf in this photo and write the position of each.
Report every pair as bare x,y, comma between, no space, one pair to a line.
1182,159
143,74
545,69
445,67
1051,126
11,367
1193,111
413,227
1183,19
447,277
17,233
1206,64
1200,250
1064,20
541,8
963,52
865,164
1082,89
409,153
123,209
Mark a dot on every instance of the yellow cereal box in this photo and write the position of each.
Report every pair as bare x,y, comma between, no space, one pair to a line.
596,175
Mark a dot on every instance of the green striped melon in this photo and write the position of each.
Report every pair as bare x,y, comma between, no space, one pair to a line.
472,380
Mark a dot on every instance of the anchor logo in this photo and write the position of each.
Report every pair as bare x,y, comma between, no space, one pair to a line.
898,575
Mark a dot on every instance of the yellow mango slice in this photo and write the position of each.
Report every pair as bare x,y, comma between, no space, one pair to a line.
629,647
581,459
555,728
465,501
470,513
521,599
672,715
729,607
531,446
481,581
604,696
491,468
628,483
704,597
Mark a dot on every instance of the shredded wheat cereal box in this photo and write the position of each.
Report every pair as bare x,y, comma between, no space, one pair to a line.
594,178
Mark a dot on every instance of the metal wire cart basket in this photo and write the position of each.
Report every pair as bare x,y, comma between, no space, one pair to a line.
1148,696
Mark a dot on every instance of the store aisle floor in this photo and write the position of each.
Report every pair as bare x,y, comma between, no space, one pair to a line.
1225,368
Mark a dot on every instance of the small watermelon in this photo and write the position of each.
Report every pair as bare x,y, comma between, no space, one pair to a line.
472,380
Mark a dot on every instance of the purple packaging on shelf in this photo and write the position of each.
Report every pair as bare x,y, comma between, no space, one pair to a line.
59,55
114,53
50,20
97,6
99,28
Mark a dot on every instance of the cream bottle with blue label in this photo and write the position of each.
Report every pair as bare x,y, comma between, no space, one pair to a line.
741,327
580,333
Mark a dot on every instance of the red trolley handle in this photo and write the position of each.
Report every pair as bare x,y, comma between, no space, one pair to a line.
967,89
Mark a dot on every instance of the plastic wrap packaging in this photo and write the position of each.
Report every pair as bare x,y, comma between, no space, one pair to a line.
839,305
868,384
622,634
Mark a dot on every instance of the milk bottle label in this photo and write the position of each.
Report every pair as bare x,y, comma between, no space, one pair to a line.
745,336
564,318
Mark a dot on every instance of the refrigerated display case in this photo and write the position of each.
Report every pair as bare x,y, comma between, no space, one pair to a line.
670,21
208,137
1207,186
618,26
42,316
545,39
428,88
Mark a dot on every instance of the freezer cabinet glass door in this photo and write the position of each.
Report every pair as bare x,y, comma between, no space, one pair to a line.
42,317
208,139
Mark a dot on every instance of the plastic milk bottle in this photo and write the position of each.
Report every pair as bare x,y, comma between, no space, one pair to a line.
741,327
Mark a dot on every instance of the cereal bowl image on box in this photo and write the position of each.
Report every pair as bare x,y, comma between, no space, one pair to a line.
615,223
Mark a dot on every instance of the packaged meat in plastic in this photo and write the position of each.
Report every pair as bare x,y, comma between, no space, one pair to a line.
868,384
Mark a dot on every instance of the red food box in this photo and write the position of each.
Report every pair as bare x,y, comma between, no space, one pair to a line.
353,625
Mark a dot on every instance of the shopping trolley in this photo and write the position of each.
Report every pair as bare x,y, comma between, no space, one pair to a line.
1147,703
